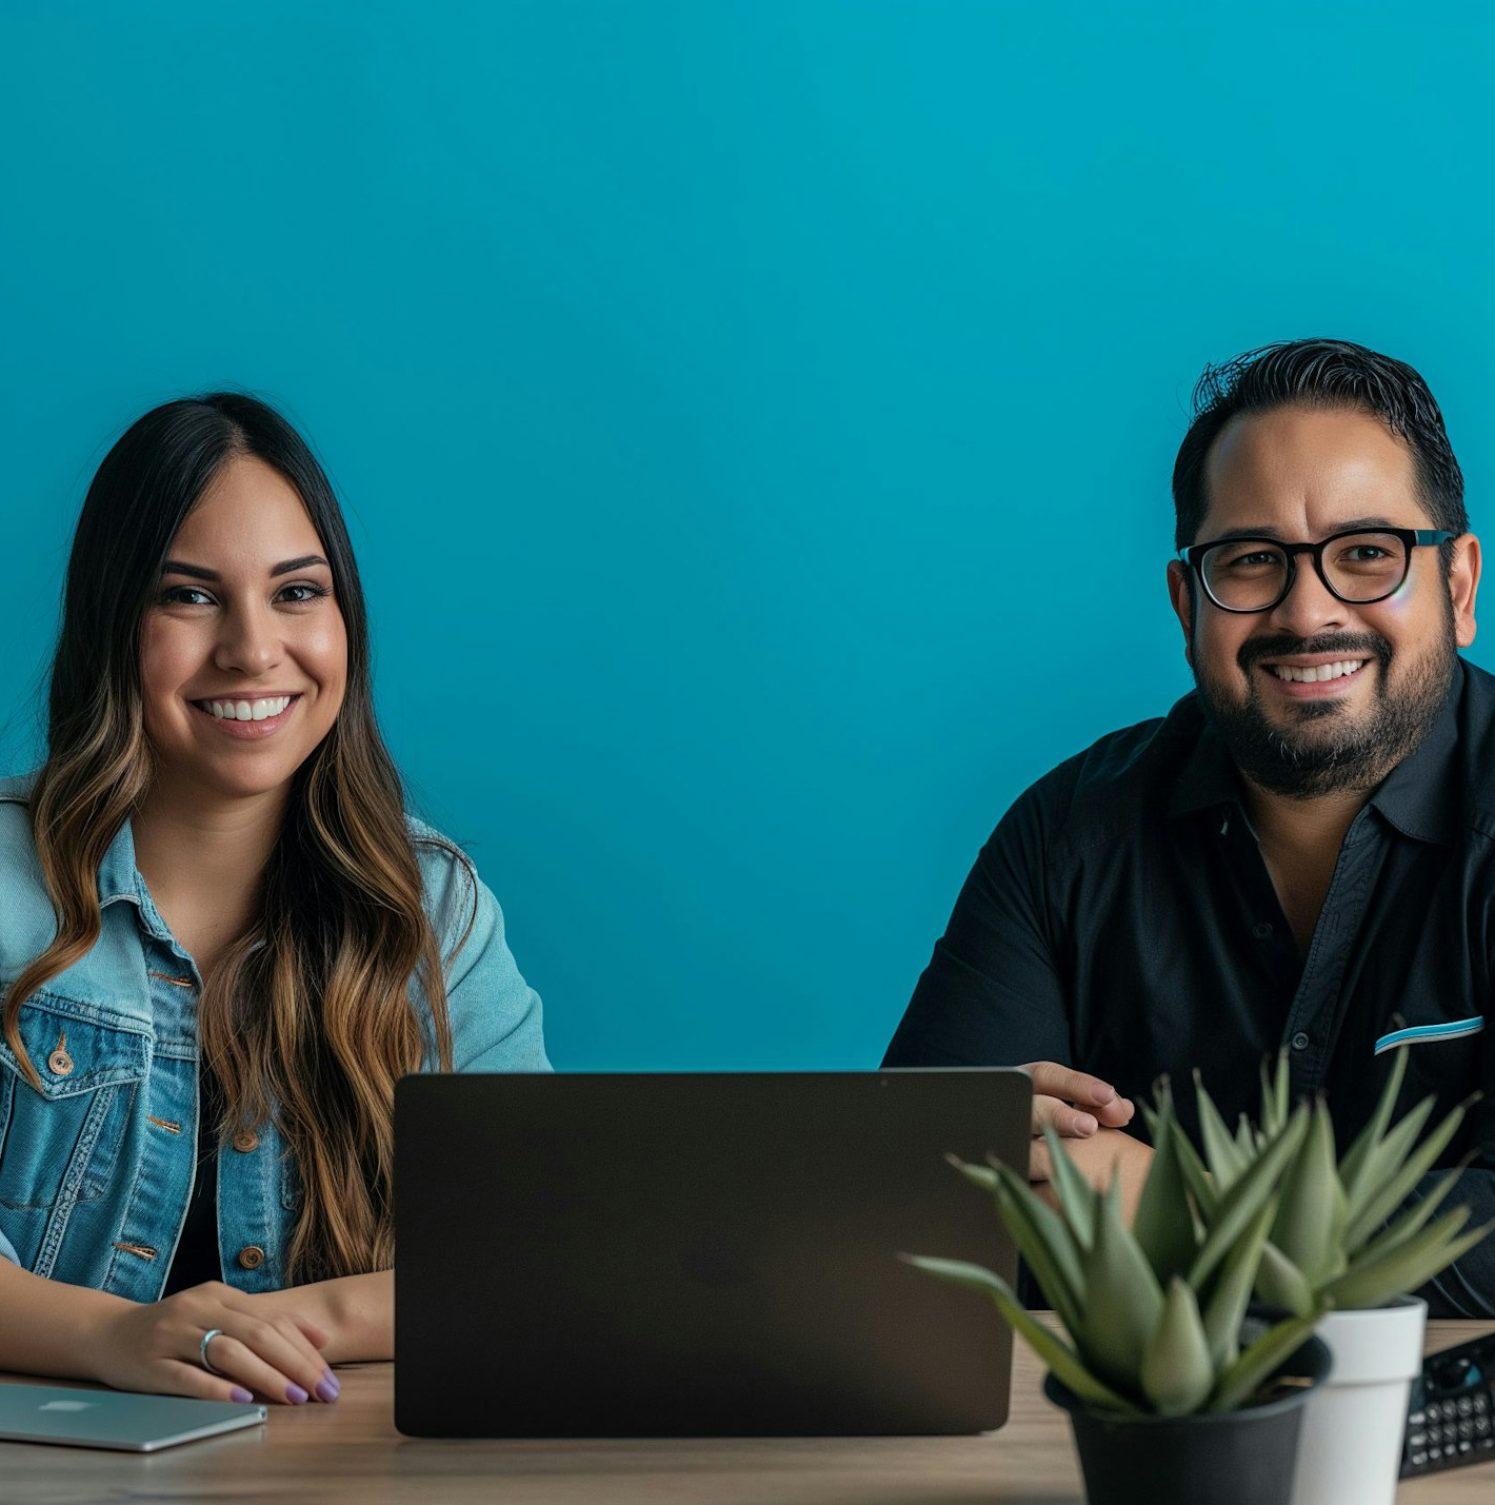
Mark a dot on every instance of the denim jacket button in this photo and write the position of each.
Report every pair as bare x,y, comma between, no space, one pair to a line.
252,1257
246,1141
59,1063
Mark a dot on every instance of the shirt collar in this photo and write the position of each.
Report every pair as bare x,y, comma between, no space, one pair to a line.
1419,796
1208,777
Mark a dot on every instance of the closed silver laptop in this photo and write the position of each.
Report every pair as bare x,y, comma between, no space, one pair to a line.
115,1418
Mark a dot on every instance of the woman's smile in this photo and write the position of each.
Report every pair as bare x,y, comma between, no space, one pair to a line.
249,719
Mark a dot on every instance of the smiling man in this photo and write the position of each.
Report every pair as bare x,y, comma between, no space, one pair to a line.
1301,855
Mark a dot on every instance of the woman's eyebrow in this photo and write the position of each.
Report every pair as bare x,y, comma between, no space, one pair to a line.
197,572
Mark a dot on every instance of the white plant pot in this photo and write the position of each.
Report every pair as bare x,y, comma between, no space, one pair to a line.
1350,1448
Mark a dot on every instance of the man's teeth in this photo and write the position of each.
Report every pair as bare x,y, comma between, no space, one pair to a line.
246,710
1319,672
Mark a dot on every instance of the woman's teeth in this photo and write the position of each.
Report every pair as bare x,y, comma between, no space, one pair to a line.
246,710
1319,672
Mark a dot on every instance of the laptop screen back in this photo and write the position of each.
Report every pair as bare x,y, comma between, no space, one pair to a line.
698,1254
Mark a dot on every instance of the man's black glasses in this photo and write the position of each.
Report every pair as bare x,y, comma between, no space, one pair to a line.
1359,566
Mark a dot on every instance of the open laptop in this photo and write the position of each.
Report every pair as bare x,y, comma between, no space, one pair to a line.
698,1255
114,1418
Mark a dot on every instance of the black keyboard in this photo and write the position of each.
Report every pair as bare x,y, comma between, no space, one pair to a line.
1452,1416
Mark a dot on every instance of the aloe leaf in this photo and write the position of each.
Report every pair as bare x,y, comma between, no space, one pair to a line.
1205,1193
1385,1159
1407,1266
1383,1200
1077,1198
1280,1283
1061,1359
1275,1346
1162,1224
1123,1301
1225,1160
1176,1370
1312,1212
1352,1167
983,1176
1405,1227
1227,1302
1044,1240
1269,1120
1245,1199
1275,1094
1041,1235
1245,1140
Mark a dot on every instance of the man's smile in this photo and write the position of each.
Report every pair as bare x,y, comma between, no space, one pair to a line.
1313,676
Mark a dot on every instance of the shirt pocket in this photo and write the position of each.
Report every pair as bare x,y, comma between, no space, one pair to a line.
1443,1061
62,1143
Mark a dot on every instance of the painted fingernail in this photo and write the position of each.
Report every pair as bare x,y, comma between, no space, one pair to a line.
328,1388
240,1394
296,1395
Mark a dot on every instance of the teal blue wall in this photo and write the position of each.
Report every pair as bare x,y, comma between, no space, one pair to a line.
755,419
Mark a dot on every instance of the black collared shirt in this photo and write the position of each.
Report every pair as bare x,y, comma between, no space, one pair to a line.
1121,920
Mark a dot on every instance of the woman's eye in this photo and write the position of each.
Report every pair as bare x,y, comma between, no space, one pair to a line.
181,595
313,593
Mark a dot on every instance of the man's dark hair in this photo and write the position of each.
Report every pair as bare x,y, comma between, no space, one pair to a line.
1319,374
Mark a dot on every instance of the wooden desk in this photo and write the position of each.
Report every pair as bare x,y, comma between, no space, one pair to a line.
350,1452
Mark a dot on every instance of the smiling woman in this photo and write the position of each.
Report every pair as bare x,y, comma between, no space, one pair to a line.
225,939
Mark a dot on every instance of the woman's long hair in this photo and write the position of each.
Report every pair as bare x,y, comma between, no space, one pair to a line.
312,1029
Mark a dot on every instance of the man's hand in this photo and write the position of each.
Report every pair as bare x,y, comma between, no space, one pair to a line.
1105,1154
1073,1104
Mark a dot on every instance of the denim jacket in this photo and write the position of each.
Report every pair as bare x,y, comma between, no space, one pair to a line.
96,1170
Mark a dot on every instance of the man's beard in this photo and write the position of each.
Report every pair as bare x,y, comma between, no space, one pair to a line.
1313,756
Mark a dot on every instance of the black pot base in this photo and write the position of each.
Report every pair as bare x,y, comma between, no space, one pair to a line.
1227,1458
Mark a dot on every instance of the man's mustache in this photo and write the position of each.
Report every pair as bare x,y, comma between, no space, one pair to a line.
1344,645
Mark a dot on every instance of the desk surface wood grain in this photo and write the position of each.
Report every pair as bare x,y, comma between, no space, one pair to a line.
350,1452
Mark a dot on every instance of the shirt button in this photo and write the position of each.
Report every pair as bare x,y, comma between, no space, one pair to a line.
59,1063
1261,930
252,1257
246,1141
1301,1041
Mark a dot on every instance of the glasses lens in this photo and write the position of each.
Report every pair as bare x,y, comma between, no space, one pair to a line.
1365,566
1245,574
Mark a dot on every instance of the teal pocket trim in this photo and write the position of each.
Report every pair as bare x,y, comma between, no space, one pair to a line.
1454,1030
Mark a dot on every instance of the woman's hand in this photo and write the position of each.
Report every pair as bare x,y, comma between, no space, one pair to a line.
155,1347
357,1312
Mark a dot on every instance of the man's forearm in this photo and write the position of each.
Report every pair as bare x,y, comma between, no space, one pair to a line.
1467,1287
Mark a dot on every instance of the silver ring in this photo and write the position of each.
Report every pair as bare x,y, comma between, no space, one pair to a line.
202,1349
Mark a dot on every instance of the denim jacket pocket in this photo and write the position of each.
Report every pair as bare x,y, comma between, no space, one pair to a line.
62,1142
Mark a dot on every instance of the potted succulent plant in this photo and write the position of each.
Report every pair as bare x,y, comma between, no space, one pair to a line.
1346,1243
1173,1392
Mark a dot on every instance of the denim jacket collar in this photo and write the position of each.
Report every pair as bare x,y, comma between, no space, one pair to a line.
118,878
